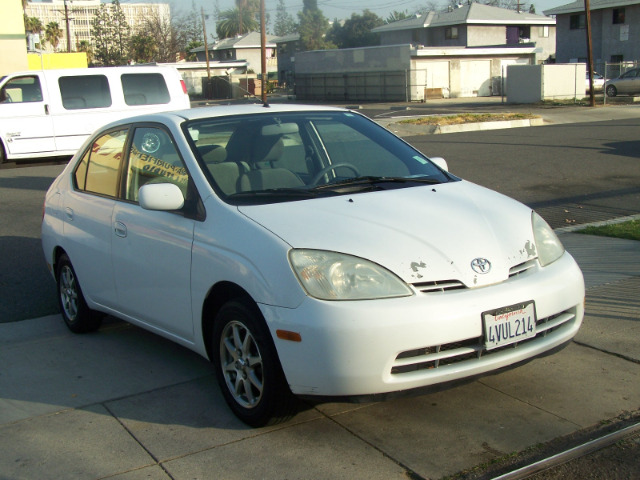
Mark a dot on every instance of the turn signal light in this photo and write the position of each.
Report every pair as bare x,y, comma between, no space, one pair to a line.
287,335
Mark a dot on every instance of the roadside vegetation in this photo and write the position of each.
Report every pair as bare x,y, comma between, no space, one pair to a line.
468,118
629,230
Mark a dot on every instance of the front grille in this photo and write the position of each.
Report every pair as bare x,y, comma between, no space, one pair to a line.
442,286
522,267
439,286
471,349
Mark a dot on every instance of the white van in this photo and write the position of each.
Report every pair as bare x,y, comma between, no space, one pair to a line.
51,112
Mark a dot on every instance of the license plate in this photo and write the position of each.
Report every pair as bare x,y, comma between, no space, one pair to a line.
508,325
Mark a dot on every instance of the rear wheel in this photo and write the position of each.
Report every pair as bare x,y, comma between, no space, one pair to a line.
611,91
247,366
75,311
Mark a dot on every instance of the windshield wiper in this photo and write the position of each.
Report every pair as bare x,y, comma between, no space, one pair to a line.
284,192
373,181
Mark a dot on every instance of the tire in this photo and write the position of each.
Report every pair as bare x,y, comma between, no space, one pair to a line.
75,311
612,91
247,366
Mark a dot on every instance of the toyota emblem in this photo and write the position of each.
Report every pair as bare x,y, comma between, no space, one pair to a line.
481,265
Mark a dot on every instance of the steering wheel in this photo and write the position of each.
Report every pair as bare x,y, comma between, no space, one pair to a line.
318,176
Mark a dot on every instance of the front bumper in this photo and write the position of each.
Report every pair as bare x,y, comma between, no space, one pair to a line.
355,348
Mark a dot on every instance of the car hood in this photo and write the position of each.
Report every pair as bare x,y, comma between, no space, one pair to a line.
422,234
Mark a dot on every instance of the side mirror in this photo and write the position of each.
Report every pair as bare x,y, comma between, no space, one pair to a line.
160,196
441,162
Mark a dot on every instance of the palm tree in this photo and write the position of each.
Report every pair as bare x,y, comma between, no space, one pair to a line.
33,25
53,34
85,46
236,22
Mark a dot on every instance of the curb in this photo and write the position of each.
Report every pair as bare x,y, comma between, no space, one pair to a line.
408,129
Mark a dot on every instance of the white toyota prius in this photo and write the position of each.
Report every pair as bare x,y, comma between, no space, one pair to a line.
306,251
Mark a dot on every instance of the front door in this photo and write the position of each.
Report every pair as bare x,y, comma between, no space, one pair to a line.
151,250
25,122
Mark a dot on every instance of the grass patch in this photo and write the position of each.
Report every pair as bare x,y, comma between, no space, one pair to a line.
468,118
629,230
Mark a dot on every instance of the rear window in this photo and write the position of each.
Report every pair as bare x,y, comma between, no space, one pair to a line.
85,91
144,89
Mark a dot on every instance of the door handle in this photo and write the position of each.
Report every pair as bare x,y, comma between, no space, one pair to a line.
68,212
120,229
46,109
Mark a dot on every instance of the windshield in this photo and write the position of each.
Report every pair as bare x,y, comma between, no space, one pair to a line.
279,157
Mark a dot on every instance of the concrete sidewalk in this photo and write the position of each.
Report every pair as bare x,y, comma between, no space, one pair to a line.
548,114
123,403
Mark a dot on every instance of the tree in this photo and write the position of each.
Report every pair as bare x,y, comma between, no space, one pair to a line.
284,24
143,48
163,36
85,46
112,33
236,22
395,16
33,25
188,31
53,34
312,27
243,19
356,31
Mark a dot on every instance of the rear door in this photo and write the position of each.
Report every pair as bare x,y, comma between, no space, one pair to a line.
25,123
88,215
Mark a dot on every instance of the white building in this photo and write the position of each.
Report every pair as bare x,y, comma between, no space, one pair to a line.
82,12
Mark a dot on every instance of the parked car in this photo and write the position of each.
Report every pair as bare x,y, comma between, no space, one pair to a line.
627,83
51,112
306,251
598,82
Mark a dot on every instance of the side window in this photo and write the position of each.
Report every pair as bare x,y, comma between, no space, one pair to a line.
98,171
144,89
85,91
21,90
153,158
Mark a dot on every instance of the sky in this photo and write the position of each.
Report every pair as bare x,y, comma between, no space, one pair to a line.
340,9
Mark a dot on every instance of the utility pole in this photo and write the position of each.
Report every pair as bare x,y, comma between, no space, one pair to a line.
67,20
587,9
206,54
263,53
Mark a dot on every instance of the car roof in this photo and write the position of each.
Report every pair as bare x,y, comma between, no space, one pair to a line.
249,109
178,116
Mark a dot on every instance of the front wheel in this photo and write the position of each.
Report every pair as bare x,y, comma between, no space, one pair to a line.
611,91
247,366
75,311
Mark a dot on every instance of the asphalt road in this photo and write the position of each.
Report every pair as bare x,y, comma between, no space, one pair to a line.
571,174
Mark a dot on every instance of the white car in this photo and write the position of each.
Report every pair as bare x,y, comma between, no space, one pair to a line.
598,82
306,251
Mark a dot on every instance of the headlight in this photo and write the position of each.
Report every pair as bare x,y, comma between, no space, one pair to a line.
335,276
547,242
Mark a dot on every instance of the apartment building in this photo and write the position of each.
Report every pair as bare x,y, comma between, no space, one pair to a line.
82,12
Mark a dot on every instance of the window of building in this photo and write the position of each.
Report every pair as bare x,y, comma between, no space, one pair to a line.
544,31
451,33
577,21
524,33
618,15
